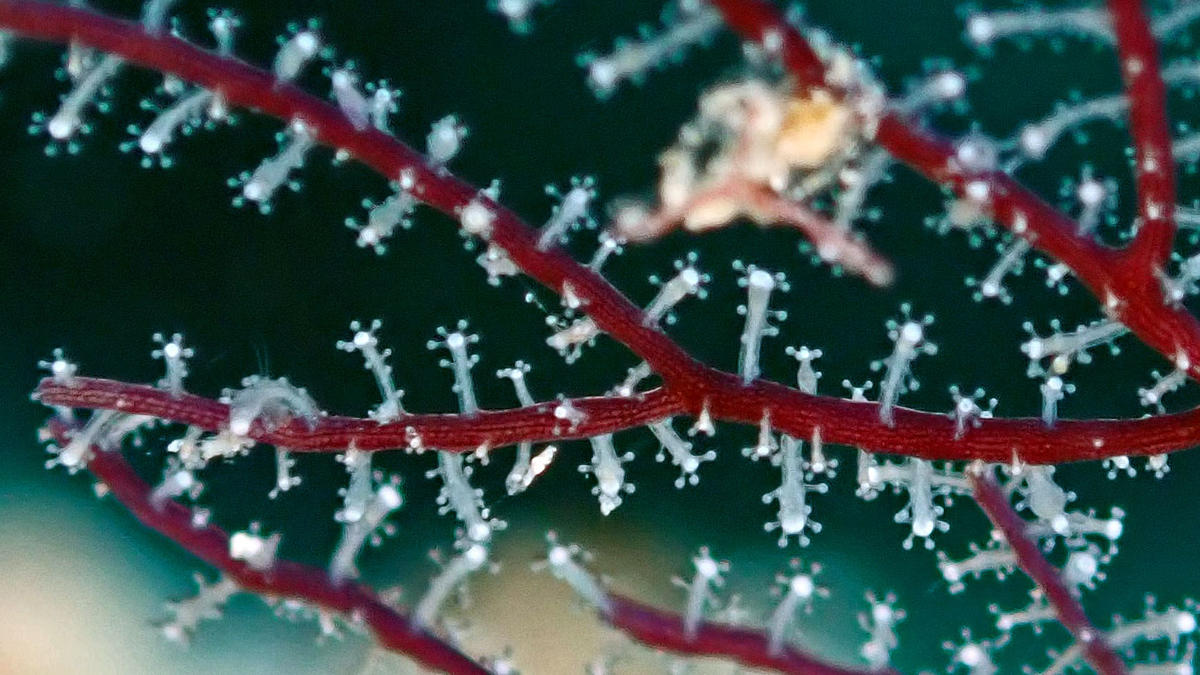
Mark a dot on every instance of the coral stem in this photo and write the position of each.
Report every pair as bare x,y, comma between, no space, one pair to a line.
1154,166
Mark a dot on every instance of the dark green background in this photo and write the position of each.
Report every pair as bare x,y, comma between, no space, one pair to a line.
96,254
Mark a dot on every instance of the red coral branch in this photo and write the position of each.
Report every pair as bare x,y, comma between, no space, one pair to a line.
1154,166
915,433
995,504
459,433
284,579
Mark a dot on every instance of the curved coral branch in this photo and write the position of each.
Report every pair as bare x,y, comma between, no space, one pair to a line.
282,579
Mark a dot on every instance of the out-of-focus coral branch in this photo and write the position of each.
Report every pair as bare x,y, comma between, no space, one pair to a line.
281,578
749,647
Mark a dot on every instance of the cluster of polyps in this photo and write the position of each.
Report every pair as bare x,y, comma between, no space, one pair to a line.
1034,141
783,141
90,74
372,109
1080,534
796,593
1169,626
1036,138
1094,196
186,109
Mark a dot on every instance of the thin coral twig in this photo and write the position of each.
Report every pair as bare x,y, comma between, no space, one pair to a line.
665,630
283,579
1154,166
995,503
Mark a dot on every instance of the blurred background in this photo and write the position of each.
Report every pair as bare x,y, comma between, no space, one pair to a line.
97,254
